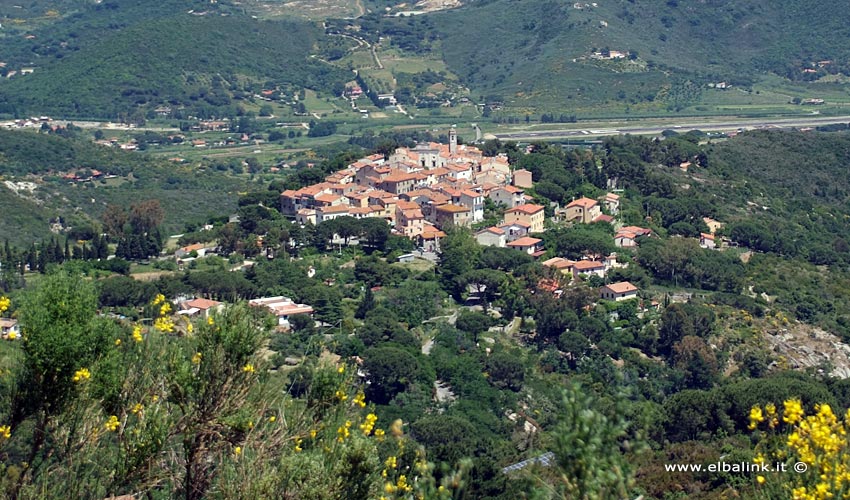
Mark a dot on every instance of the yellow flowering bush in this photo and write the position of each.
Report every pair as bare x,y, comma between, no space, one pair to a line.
5,432
81,375
814,447
4,304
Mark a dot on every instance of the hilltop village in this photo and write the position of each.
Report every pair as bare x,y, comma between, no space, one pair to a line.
420,191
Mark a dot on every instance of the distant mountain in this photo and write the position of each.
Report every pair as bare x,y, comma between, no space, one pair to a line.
124,57
541,52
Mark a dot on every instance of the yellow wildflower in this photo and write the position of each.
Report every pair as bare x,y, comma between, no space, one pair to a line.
5,431
81,375
391,462
117,342
379,433
793,411
159,299
4,303
112,424
210,321
360,400
137,333
401,484
137,408
272,418
340,394
389,488
756,417
196,358
249,368
341,369
237,451
368,424
164,309
313,433
11,335
760,479
343,432
164,324
297,445
189,328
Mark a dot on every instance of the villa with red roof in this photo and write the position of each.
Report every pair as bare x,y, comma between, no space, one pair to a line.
529,214
527,244
618,291
583,210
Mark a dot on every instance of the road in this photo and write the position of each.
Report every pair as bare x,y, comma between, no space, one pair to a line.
678,126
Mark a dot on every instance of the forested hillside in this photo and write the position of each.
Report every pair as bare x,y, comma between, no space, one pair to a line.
539,52
122,59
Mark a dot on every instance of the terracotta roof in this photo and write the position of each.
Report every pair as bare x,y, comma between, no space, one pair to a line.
511,189
603,218
582,202
636,230
202,304
338,209
707,236
399,177
528,208
494,230
588,264
622,287
612,196
558,263
525,241
452,208
192,248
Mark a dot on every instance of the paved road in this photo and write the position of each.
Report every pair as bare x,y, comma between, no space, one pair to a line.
679,126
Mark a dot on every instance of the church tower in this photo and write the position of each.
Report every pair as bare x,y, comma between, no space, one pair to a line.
453,140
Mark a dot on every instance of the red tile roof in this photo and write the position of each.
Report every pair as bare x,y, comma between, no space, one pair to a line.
528,208
525,241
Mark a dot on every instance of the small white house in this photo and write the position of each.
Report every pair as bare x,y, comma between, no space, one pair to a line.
618,291
282,307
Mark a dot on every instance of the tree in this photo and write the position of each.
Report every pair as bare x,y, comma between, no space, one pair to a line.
473,322
114,218
447,438
390,370
366,305
459,255
506,370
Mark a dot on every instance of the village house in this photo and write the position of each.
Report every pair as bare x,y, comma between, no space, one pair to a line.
200,250
618,291
199,307
588,268
707,241
409,220
529,214
612,203
282,307
474,201
429,240
515,230
563,265
491,237
450,214
527,245
583,210
522,179
509,196
627,236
